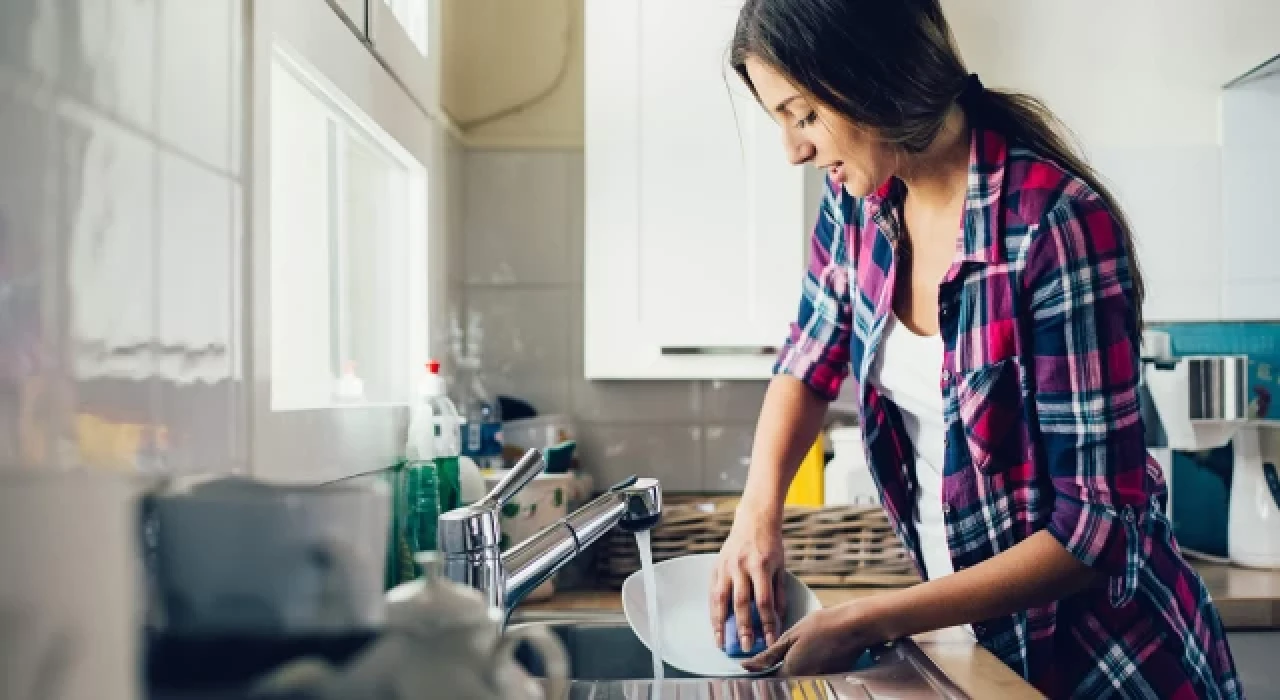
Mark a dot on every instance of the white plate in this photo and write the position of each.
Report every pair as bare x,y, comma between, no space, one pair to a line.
684,591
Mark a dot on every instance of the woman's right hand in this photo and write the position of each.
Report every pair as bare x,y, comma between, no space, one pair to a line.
750,568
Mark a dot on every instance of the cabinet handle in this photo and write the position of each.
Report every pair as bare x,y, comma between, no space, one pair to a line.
722,350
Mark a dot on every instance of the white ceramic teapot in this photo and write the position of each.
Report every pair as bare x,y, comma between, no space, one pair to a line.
442,641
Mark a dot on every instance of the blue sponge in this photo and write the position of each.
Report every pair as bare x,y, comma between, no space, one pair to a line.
733,645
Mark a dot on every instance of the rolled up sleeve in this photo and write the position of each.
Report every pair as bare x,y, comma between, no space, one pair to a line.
1086,371
816,350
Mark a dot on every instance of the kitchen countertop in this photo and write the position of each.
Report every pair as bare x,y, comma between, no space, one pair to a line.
1246,599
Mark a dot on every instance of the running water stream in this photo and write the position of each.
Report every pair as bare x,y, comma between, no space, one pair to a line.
651,603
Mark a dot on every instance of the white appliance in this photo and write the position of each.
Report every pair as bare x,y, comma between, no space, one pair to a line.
1253,524
1202,403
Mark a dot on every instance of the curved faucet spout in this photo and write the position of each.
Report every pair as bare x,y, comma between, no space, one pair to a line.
633,506
470,536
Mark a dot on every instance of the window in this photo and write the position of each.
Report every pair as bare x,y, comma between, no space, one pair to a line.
347,288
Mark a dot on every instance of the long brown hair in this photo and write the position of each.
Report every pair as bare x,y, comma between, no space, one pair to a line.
893,66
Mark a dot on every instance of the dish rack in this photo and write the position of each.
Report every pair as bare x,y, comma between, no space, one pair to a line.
826,546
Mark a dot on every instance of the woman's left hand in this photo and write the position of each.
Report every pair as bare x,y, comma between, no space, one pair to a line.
826,641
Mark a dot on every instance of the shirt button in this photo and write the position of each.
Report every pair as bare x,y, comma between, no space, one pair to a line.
946,375
1128,514
946,508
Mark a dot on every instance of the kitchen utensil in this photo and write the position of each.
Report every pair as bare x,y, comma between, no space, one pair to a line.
688,642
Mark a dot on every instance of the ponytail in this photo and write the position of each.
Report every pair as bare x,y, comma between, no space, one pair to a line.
1025,120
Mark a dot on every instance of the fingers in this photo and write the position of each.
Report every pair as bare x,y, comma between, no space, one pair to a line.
742,608
780,595
770,657
766,598
720,585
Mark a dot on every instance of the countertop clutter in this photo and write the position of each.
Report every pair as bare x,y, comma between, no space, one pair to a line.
1247,600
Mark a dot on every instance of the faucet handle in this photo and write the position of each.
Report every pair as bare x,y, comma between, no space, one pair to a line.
524,471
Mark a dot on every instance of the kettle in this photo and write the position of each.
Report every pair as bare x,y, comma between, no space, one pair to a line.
442,639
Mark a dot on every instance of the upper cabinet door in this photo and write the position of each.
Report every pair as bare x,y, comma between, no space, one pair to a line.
1250,207
695,223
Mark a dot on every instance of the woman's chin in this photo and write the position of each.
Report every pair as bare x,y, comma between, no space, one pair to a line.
859,187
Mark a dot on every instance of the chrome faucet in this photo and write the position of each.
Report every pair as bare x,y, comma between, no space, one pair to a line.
470,536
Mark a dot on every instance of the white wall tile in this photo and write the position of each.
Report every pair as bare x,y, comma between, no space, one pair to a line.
110,205
726,457
28,247
576,318
108,58
1171,195
31,37
236,85
526,331
195,267
577,205
735,402
195,87
517,218
455,186
671,454
195,316
638,402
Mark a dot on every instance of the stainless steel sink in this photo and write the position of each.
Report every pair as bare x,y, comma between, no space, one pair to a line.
608,661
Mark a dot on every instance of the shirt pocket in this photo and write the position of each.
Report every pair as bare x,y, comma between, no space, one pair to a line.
991,410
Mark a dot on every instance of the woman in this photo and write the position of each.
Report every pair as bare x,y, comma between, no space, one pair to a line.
979,282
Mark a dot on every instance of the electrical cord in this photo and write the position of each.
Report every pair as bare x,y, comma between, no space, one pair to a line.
561,73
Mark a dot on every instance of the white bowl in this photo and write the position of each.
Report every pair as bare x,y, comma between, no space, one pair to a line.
684,593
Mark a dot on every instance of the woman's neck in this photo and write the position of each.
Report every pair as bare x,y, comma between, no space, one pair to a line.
937,177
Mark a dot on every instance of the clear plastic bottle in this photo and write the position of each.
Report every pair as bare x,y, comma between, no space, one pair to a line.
482,419
481,415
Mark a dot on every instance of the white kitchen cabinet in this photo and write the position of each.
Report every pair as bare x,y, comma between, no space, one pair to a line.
695,221
1250,201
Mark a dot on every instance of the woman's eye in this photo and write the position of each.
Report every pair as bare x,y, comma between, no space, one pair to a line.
808,120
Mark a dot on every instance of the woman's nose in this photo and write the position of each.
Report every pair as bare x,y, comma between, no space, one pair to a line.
799,149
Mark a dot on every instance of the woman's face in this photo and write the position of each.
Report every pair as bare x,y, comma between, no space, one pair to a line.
814,133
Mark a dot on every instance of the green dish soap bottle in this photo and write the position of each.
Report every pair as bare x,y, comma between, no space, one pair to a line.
432,451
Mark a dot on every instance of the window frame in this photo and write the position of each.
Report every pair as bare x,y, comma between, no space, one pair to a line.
333,442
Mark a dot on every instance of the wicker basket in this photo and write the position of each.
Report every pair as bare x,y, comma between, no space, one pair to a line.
827,546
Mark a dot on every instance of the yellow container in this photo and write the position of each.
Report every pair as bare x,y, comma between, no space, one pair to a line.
806,488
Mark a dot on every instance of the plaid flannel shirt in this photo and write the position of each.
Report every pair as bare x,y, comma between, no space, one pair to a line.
1040,388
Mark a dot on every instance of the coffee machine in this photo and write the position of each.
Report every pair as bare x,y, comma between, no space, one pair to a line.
1203,429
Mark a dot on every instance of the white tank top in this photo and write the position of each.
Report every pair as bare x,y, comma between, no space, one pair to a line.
906,372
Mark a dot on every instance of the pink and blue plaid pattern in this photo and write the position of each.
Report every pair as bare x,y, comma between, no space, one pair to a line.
1040,387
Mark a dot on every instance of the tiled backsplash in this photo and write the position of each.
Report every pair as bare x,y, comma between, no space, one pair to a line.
125,268
121,190
523,231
